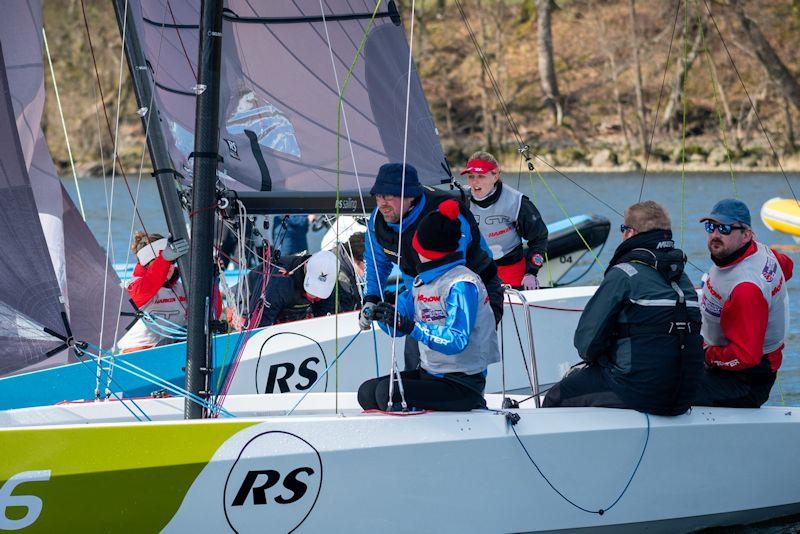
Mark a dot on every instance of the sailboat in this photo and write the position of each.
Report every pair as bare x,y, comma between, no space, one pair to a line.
315,462
273,160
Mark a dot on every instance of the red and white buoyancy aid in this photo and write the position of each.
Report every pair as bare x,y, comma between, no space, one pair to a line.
151,292
760,268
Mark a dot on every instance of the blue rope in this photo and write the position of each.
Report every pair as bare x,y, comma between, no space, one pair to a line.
86,365
601,511
325,372
139,372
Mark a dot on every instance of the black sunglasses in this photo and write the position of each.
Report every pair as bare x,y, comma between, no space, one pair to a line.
624,228
723,229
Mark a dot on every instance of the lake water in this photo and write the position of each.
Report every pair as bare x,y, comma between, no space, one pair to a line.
618,190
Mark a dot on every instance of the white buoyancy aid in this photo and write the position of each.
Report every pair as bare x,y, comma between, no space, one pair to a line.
170,304
430,306
498,222
763,270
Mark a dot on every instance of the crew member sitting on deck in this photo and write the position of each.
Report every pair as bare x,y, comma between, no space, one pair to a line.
506,217
745,310
448,313
297,287
640,332
155,288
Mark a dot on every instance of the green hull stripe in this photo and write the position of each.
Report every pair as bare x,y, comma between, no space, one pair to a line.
109,478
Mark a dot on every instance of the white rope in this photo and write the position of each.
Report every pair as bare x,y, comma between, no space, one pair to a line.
400,235
110,199
350,145
63,124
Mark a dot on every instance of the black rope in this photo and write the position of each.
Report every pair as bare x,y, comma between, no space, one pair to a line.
752,105
600,511
658,106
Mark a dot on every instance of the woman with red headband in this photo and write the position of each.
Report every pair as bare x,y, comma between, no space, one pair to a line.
506,217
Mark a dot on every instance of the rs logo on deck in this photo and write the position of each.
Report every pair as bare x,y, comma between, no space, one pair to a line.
275,481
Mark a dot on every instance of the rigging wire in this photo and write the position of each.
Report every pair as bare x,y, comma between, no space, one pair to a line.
683,116
63,124
717,105
752,105
658,105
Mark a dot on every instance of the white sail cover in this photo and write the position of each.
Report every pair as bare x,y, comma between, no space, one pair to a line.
282,70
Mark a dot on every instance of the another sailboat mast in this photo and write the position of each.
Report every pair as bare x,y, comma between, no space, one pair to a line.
156,143
206,143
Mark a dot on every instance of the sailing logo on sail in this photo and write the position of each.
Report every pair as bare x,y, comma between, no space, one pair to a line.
279,370
275,481
233,150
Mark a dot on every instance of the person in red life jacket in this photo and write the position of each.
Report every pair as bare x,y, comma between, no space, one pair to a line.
155,288
506,217
745,311
449,314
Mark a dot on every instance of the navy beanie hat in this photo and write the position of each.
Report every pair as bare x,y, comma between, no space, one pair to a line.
390,181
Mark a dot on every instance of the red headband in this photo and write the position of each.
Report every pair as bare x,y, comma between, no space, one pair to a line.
479,166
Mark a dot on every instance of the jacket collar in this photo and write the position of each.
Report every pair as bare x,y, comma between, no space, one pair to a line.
410,217
430,271
738,255
491,198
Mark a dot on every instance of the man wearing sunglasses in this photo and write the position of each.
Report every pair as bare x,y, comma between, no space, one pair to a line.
640,333
745,311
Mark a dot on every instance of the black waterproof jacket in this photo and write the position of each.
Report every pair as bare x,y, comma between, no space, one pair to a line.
637,330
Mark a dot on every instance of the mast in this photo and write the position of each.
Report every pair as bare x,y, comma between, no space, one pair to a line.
156,143
206,144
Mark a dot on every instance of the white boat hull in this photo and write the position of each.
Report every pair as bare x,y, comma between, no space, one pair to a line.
433,472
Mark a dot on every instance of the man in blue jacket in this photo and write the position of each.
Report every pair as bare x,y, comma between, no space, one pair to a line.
447,312
402,204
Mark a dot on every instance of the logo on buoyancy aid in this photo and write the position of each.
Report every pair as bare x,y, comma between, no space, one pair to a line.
710,306
769,270
274,483
431,298
428,315
665,244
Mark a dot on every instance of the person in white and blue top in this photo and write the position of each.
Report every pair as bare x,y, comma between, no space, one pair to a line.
449,314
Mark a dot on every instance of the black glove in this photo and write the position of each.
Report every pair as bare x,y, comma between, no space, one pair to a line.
385,313
175,249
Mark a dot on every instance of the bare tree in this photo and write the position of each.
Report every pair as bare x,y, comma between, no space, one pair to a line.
637,70
684,65
547,71
780,74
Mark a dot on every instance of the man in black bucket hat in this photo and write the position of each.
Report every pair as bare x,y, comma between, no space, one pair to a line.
402,203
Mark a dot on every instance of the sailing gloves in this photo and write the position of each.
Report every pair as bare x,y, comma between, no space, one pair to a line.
175,249
366,316
529,281
385,313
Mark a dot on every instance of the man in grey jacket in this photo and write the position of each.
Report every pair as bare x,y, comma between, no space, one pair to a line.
640,333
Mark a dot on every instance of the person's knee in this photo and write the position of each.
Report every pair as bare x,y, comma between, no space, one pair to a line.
366,394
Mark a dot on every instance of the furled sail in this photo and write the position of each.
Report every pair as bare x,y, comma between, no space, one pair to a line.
283,66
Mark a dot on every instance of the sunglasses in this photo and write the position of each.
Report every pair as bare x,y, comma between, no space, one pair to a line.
624,228
723,229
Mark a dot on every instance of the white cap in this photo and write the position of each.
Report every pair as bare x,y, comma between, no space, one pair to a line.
149,252
320,274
